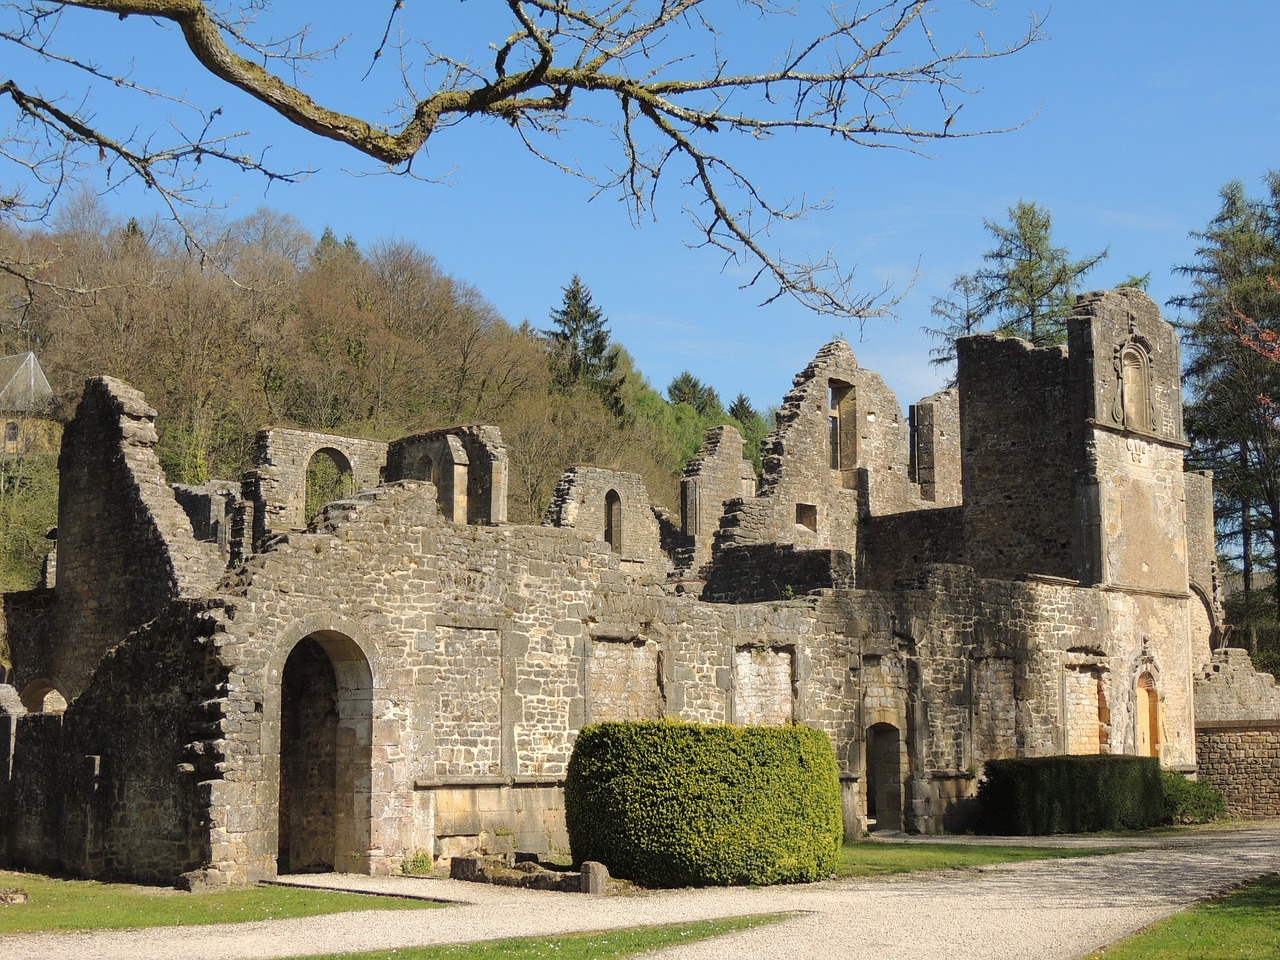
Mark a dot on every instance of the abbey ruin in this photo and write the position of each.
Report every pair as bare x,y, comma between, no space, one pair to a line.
210,691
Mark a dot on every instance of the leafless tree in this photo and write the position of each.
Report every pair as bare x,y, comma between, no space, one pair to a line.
653,73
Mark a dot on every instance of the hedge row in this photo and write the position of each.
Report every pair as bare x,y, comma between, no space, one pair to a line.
1071,794
668,803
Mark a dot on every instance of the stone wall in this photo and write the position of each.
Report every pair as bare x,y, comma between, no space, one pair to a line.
1243,762
126,546
609,505
717,474
408,675
935,447
277,485
468,465
1017,444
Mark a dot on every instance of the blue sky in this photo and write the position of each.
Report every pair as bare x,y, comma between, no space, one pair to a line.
1136,113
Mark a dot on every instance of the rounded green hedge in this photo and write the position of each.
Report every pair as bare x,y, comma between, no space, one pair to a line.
668,803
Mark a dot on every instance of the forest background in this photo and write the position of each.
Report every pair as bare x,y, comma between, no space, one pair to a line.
269,325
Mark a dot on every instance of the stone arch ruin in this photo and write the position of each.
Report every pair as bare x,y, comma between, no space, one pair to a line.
987,576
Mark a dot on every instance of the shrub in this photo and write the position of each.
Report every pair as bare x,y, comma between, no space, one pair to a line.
1191,801
1073,794
678,804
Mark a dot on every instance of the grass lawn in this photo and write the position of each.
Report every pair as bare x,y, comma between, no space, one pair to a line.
1243,925
607,945
869,859
88,905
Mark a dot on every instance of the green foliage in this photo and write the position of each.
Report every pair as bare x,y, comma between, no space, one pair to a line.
28,509
675,804
327,481
1191,801
1071,794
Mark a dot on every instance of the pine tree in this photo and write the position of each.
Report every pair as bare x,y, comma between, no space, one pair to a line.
581,354
686,388
742,410
1231,420
1026,289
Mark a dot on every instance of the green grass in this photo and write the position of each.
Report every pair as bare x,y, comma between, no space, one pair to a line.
607,945
873,858
88,905
1244,925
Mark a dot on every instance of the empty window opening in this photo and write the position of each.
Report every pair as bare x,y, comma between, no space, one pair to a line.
11,432
329,478
807,516
842,431
613,520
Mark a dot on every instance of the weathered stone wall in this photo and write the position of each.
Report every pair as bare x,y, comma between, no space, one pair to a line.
468,465
898,545
1230,690
717,474
117,786
1017,443
935,450
400,679
277,485
763,572
609,505
1243,762
126,547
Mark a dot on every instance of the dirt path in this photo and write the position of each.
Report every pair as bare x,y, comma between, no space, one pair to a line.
1045,910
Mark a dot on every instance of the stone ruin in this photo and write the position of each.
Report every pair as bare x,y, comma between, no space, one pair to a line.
214,691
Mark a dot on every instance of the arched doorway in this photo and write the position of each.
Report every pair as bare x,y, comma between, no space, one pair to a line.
326,721
884,777
329,478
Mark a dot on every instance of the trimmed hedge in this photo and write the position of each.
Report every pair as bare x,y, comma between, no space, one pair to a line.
1072,794
667,803
1191,801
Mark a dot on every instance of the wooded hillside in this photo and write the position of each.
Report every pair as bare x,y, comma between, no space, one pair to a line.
260,323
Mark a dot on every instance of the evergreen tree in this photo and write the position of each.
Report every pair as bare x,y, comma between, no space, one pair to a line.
742,410
1231,420
581,354
1026,288
686,388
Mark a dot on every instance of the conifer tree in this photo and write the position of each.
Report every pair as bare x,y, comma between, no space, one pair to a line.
1231,419
581,354
1026,288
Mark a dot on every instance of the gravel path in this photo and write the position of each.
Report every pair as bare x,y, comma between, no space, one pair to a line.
1044,910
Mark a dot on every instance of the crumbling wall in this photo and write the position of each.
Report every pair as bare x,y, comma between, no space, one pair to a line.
277,485
717,474
106,790
1238,733
468,465
1017,449
125,546
609,505
935,447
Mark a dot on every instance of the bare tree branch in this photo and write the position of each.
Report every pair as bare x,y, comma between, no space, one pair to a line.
686,104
